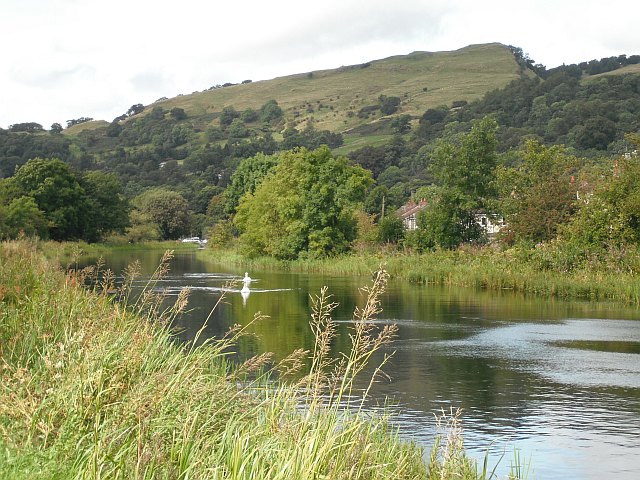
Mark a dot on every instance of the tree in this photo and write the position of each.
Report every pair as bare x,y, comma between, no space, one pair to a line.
596,132
29,127
56,128
250,172
447,221
538,195
77,121
178,113
202,195
57,193
464,169
249,115
166,210
179,135
373,159
228,115
22,215
388,105
215,209
467,162
392,176
135,109
270,112
609,217
304,206
401,124
390,229
237,129
310,138
114,129
108,209
376,201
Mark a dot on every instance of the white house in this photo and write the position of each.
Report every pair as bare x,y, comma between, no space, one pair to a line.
490,222
409,212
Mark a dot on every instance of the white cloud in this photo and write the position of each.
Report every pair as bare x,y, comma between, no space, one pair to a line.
73,58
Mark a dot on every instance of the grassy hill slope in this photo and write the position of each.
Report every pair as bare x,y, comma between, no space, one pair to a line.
422,80
332,99
626,70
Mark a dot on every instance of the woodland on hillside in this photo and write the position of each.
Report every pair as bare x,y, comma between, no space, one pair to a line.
156,173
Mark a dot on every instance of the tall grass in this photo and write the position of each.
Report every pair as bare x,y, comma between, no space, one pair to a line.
95,388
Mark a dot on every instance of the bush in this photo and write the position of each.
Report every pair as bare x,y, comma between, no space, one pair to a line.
388,105
391,229
270,112
220,235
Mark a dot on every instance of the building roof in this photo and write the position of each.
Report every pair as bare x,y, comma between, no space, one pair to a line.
411,208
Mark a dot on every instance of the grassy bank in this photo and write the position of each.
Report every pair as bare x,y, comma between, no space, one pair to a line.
522,271
91,389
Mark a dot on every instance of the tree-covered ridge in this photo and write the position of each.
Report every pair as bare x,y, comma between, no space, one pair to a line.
588,114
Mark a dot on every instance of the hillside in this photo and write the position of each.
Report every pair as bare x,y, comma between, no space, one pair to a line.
421,79
333,98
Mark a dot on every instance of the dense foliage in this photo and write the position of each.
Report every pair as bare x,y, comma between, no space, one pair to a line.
54,202
538,195
464,170
304,205
591,114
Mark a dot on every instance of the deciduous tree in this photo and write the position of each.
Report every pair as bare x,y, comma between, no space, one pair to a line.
247,177
304,206
538,195
57,193
610,216
22,215
167,210
108,209
464,169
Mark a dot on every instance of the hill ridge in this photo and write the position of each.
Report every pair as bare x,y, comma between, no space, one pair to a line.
332,98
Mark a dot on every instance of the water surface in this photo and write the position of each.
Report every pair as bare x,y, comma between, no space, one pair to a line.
560,381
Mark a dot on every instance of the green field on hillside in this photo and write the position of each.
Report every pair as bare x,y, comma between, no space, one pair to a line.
422,80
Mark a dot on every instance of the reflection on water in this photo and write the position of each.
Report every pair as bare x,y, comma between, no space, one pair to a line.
560,381
620,346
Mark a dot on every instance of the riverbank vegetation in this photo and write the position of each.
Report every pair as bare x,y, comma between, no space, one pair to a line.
571,230
93,388
531,272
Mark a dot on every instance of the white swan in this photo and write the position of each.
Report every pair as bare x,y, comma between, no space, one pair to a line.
246,282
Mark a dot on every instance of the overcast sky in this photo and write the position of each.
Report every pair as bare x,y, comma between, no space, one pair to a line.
64,59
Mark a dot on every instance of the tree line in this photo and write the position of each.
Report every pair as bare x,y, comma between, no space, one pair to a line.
309,203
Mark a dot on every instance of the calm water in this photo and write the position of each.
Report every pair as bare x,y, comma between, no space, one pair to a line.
559,381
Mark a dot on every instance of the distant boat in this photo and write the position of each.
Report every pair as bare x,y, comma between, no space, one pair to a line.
201,242
191,240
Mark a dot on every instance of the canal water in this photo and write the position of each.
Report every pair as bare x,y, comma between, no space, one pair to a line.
557,381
